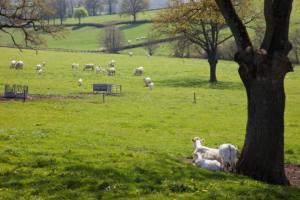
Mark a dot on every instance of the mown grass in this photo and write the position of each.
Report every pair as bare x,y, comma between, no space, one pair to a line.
134,146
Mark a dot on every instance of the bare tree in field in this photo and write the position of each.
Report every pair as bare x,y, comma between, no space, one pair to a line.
263,72
93,6
80,13
60,7
27,16
113,39
133,7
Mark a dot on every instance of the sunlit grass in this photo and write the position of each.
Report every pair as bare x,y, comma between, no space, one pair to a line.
135,145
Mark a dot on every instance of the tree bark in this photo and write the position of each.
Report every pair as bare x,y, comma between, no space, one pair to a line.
134,17
263,154
213,61
296,56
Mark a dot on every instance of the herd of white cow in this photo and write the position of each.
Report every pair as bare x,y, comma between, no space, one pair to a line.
223,158
110,70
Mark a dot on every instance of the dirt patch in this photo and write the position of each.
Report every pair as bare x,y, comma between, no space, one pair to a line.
38,97
293,174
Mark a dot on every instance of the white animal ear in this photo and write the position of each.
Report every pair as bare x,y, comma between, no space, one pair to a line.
202,140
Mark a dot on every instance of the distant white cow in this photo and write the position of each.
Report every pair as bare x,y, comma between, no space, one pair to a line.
139,71
151,86
88,67
19,65
13,64
75,66
147,81
111,71
80,81
112,63
98,70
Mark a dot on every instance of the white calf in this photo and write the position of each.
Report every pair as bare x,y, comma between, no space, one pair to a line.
206,152
213,165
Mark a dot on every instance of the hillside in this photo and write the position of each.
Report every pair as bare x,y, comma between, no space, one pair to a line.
86,36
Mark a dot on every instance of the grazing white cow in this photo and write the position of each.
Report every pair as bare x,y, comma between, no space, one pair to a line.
40,71
75,66
111,71
88,67
13,63
98,70
139,71
213,165
19,65
151,86
112,63
147,81
130,54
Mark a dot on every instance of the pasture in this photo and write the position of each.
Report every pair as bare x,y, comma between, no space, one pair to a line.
67,144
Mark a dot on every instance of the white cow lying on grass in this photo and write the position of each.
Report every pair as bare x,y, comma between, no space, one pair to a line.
213,165
227,154
206,152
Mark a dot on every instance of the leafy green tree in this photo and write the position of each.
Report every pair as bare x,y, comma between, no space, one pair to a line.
79,13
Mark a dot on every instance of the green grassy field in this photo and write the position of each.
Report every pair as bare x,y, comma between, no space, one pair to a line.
134,146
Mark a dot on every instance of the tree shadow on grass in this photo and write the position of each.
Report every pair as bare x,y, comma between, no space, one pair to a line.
200,83
161,175
129,26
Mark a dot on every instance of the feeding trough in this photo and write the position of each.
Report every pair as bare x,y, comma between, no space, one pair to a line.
16,92
108,89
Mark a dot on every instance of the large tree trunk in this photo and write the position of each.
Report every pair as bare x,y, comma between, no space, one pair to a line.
212,60
263,154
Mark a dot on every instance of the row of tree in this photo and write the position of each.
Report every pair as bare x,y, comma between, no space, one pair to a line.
61,9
